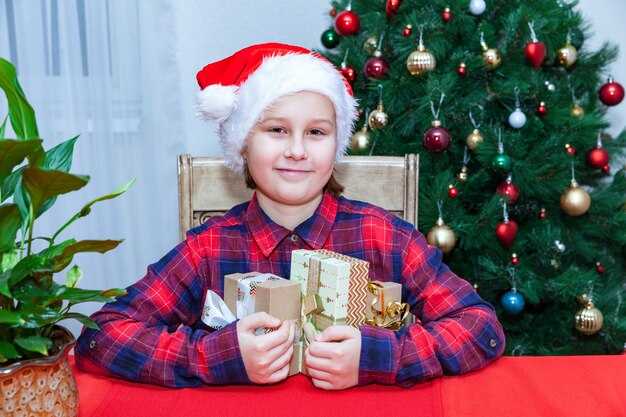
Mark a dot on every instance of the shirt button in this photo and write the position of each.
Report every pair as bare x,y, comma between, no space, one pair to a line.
92,344
294,238
493,343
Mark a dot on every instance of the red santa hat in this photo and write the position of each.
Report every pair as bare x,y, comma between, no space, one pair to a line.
237,89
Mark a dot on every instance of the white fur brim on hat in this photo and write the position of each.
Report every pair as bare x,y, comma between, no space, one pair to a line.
238,110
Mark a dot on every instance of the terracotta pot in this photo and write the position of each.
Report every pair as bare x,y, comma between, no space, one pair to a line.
41,387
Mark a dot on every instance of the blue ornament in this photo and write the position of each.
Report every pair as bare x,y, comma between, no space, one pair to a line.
513,302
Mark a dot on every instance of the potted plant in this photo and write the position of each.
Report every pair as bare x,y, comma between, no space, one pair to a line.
35,376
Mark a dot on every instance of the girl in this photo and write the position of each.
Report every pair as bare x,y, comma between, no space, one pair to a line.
285,116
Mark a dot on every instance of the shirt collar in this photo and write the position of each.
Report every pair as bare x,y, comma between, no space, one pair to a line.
314,231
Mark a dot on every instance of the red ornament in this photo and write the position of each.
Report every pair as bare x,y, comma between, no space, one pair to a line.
509,190
535,53
543,213
347,23
461,69
514,259
376,67
436,138
506,232
446,15
452,191
599,268
570,149
391,7
597,158
333,12
348,73
542,109
606,169
611,93
406,32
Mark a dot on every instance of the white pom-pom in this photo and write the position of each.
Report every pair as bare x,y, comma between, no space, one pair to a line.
216,102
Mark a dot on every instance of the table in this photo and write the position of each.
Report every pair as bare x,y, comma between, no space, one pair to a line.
589,386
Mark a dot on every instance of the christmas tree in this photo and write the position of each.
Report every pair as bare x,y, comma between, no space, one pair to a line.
506,108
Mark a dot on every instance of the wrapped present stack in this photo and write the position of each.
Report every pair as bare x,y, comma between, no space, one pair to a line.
325,288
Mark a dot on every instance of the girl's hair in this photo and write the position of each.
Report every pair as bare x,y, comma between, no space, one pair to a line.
333,186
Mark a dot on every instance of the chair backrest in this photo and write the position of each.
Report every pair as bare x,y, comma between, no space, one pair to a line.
207,188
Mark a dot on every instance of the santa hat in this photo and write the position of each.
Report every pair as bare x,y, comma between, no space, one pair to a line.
237,89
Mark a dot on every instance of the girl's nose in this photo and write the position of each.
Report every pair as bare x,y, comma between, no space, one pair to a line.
295,148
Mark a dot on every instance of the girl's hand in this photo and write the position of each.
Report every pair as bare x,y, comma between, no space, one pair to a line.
333,358
266,356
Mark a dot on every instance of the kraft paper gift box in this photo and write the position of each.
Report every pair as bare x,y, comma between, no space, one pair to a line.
384,305
334,287
253,292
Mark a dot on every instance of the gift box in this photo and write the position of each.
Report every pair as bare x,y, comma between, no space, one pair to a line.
334,287
384,305
253,292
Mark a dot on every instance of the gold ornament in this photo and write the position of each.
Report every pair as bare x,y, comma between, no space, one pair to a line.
575,201
576,111
474,139
371,43
378,118
360,140
463,174
588,320
492,58
442,236
421,61
567,55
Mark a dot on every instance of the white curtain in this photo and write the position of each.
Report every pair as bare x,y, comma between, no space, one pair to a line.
104,70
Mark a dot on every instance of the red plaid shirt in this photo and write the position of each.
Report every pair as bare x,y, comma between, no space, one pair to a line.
154,334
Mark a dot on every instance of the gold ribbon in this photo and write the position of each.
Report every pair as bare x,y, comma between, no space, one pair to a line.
391,315
311,302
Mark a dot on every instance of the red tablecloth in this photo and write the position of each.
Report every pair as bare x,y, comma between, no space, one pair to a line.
589,386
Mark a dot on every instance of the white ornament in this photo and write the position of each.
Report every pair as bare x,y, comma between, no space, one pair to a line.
477,7
517,119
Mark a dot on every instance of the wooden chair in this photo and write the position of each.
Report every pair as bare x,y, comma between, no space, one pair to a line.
207,188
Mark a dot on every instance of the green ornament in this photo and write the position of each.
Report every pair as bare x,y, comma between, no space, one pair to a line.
330,38
501,163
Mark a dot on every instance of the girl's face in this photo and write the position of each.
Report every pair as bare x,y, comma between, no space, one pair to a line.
290,153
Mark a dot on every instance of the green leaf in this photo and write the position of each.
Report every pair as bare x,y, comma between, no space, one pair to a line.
60,157
114,292
56,250
43,185
86,321
73,277
13,152
100,246
10,317
3,127
61,261
87,208
20,197
34,344
21,270
10,224
21,114
10,182
9,260
79,295
8,351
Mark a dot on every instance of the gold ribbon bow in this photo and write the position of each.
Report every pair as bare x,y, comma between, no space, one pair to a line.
391,314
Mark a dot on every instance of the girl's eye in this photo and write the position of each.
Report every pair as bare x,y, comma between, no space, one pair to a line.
276,130
316,132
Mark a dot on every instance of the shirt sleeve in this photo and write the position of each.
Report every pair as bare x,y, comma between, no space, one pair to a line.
455,331
149,334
